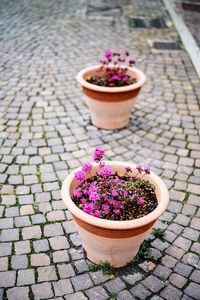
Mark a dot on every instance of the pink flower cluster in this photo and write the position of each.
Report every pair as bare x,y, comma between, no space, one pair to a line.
106,193
117,75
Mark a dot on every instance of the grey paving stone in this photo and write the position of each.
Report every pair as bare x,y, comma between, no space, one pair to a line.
25,199
60,256
12,212
33,232
25,277
183,269
56,215
7,278
42,290
171,292
81,282
182,243
76,240
53,230
41,259
81,266
162,271
19,262
132,279
22,221
9,235
177,280
8,199
140,291
124,295
3,263
43,197
69,226
46,273
41,245
6,223
38,219
18,293
97,293
22,247
65,270
115,285
62,287
153,283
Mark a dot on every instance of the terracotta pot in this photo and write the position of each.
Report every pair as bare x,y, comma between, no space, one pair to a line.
116,242
110,107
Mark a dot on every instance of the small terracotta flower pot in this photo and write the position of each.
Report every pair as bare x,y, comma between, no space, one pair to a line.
116,242
110,107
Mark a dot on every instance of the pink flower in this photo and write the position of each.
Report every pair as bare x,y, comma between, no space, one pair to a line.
94,197
80,176
87,167
106,171
116,211
140,201
121,59
139,168
97,214
128,169
131,61
108,53
98,154
114,193
127,53
147,170
77,193
114,77
102,61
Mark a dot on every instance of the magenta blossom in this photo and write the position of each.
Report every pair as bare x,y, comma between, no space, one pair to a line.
87,167
131,61
102,61
98,154
127,53
139,168
147,170
80,176
140,201
106,171
116,211
115,77
108,53
121,59
128,169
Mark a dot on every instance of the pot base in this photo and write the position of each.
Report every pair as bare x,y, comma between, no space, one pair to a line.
112,260
109,125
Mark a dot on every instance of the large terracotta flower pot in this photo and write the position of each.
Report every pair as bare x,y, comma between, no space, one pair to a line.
116,242
110,107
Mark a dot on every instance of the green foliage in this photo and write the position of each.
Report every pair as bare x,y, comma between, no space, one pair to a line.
112,295
158,232
35,204
105,267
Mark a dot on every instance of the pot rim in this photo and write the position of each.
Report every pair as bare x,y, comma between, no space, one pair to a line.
139,74
161,189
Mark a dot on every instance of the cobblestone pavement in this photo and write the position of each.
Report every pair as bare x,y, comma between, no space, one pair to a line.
45,131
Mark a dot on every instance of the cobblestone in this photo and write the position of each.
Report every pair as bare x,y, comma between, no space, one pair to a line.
46,131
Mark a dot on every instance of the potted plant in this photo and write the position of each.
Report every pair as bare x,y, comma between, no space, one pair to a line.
111,90
114,206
